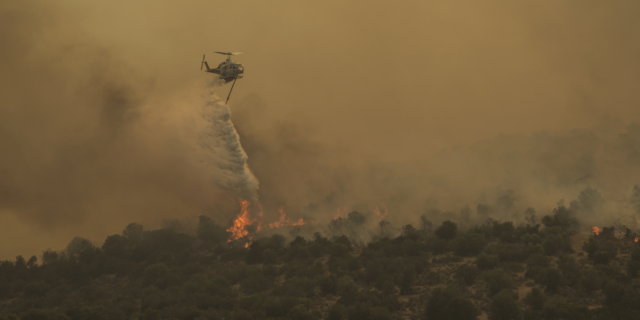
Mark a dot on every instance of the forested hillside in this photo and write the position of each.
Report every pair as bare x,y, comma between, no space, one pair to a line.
494,269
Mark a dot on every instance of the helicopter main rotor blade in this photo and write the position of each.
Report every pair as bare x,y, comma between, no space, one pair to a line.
229,53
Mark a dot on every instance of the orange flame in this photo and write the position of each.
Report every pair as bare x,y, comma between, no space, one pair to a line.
636,240
239,224
284,221
238,229
596,230
339,214
382,215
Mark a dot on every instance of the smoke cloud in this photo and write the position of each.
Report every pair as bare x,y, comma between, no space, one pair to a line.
88,145
450,109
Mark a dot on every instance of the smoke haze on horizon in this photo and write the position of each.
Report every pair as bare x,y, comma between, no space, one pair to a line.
416,106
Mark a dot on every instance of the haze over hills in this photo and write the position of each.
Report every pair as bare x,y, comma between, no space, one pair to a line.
354,133
488,99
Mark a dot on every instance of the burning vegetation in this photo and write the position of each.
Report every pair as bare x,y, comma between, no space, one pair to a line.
243,223
504,269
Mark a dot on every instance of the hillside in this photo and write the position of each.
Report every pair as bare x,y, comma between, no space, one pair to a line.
494,270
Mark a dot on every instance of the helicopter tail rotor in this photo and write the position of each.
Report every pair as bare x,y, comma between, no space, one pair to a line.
201,64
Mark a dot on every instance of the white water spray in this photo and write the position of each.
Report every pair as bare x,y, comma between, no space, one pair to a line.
220,146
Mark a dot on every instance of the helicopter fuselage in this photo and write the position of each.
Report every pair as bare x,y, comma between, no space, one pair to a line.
228,70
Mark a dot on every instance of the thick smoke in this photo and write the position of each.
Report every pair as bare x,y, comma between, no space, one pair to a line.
448,109
89,144
593,172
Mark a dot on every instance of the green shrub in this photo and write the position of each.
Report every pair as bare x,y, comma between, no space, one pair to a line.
358,311
600,251
535,299
256,284
154,273
300,312
536,263
552,278
562,217
633,267
379,313
563,310
505,232
504,306
514,252
39,314
498,280
486,262
208,231
373,270
328,284
448,304
336,312
339,250
467,273
407,279
447,231
347,290
469,244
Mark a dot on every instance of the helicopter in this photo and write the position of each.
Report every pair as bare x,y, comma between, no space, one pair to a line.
228,70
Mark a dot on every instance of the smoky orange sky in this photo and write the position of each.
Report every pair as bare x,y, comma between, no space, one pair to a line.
414,105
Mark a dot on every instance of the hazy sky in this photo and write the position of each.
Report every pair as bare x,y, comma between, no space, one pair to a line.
336,94
395,75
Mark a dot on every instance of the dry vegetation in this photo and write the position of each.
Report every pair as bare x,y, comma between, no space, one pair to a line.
493,270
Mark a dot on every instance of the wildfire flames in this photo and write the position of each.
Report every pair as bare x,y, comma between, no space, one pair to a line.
284,221
241,222
382,215
238,229
597,231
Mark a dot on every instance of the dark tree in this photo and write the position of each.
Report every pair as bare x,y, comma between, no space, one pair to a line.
530,216
467,273
210,232
336,312
385,228
336,225
535,299
562,217
134,232
469,244
425,224
486,261
504,306
356,218
448,304
408,230
498,280
552,278
633,268
116,246
447,231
